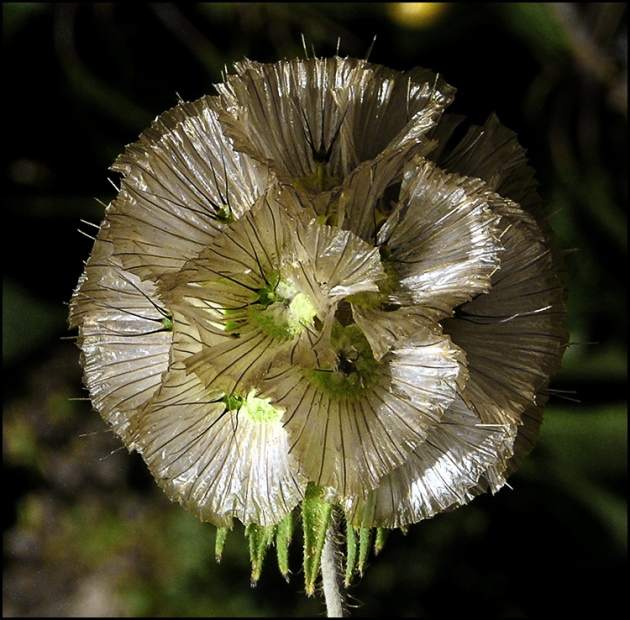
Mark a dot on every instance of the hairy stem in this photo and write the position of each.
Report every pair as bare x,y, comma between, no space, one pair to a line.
331,577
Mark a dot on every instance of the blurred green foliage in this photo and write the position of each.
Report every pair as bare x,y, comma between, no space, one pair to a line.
88,533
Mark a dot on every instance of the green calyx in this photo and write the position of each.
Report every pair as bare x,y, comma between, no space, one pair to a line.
232,402
356,366
261,538
267,294
281,311
320,180
225,214
167,322
383,299
255,408
260,409
318,515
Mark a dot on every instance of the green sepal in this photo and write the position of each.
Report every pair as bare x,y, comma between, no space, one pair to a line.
219,543
351,553
380,538
316,514
284,535
167,322
224,214
259,540
365,543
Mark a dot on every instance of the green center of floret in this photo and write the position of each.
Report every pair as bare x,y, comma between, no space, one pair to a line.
355,368
257,409
281,310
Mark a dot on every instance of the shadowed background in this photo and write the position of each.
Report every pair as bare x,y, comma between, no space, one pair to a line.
87,532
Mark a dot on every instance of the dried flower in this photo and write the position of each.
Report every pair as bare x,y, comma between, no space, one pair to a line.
306,291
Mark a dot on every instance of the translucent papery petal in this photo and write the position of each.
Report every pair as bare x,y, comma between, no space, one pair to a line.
349,441
218,464
237,364
493,153
124,345
334,263
400,110
528,431
289,114
221,287
187,340
526,438
384,329
246,253
443,239
217,289
442,473
182,181
365,194
513,337
296,115
394,110
229,272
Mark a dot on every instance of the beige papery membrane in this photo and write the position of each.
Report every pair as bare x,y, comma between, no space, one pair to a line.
124,336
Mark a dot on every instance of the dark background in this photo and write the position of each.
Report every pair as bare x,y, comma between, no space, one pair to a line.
87,533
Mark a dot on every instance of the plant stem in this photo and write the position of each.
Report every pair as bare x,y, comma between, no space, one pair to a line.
330,575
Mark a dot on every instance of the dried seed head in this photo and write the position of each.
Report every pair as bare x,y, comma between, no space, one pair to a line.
301,296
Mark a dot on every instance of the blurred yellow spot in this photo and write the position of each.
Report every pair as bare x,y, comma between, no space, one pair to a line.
416,14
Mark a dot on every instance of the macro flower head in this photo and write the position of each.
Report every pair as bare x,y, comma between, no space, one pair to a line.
309,290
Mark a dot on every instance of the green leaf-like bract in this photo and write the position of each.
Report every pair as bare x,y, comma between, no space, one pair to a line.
316,515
